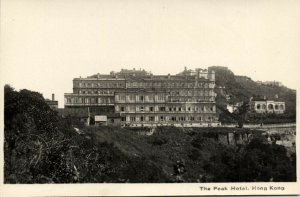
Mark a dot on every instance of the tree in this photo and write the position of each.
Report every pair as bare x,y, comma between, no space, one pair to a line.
241,114
33,141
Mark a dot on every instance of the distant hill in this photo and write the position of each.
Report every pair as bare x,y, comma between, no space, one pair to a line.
241,88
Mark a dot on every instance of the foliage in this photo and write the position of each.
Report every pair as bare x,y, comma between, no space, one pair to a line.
33,145
270,118
241,88
41,147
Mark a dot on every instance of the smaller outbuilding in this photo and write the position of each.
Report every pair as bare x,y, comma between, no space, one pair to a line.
267,106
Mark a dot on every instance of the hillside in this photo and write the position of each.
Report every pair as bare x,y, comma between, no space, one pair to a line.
241,88
41,147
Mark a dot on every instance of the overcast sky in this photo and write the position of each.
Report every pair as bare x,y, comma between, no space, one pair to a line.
47,43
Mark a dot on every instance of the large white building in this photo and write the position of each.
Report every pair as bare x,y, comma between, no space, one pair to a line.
138,98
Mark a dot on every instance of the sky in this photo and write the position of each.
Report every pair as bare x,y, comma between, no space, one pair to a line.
47,43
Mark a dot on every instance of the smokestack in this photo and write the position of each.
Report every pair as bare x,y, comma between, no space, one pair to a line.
53,97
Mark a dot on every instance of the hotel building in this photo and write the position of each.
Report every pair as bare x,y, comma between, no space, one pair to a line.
139,98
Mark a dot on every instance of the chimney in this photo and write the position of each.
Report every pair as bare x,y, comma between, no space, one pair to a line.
53,97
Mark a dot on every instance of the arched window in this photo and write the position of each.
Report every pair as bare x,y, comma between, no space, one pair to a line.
258,106
270,106
281,107
276,107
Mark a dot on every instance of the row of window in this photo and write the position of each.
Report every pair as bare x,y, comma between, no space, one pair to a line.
193,99
270,107
162,98
92,100
150,97
192,93
136,84
166,118
103,84
142,98
115,84
132,108
95,91
80,100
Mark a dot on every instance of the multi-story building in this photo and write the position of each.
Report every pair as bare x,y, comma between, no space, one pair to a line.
140,98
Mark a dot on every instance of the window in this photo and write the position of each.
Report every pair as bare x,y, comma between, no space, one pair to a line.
131,98
122,108
132,108
123,119
161,118
142,108
122,98
258,106
92,100
150,108
160,97
151,118
150,97
132,118
270,106
142,118
141,98
281,107
162,109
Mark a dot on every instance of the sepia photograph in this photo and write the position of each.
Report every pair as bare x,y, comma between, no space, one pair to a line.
149,97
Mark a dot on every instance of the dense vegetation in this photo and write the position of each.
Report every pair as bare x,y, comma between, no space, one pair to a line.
41,147
242,88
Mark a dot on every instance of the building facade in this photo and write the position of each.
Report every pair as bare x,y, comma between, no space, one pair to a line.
143,99
53,104
267,106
